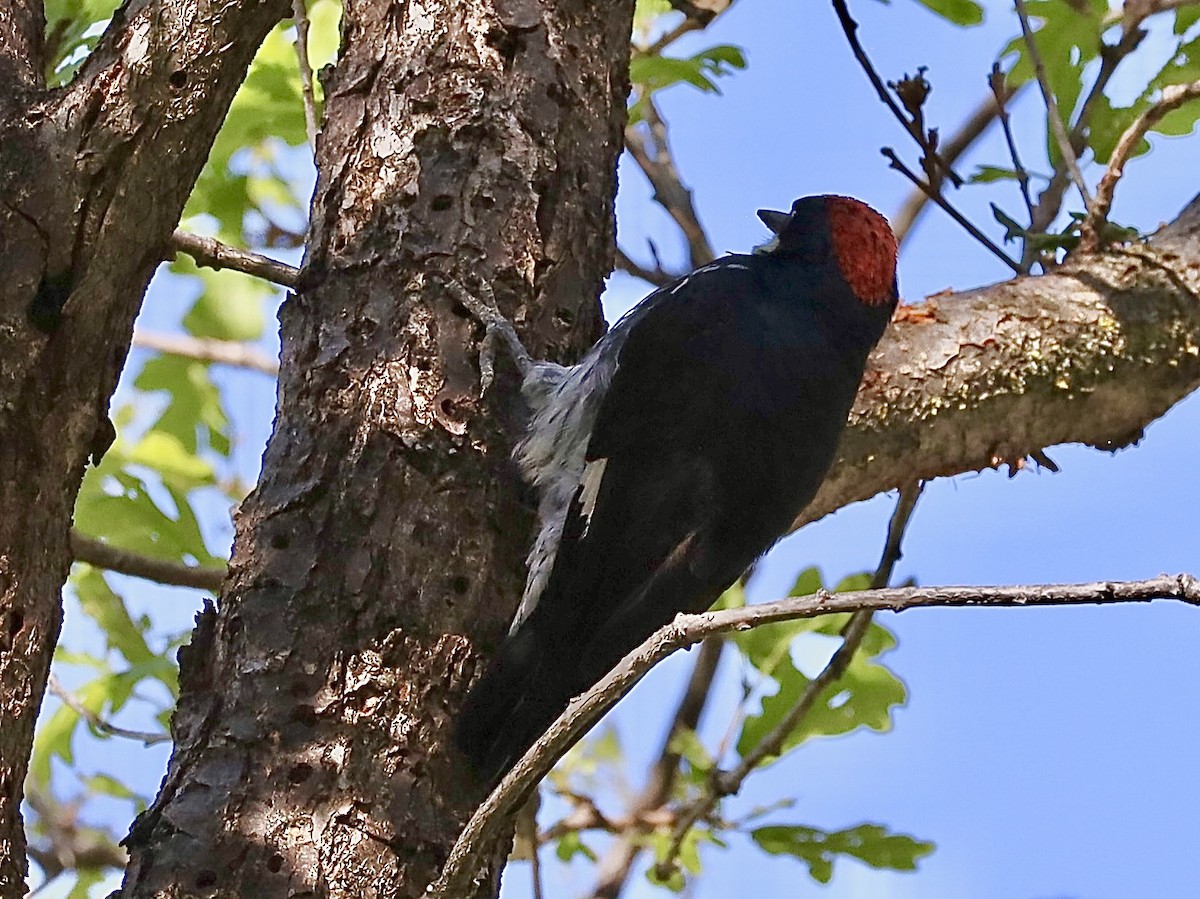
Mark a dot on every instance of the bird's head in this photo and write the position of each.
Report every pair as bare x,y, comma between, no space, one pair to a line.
843,230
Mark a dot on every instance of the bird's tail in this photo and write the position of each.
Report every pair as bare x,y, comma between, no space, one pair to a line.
510,707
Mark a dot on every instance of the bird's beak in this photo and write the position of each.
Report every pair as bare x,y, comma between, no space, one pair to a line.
774,220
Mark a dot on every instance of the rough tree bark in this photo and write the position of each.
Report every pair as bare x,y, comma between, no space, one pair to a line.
92,181
382,549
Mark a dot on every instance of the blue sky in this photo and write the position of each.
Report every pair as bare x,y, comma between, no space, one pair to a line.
1048,753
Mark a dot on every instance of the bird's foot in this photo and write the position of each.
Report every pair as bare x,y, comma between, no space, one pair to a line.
497,328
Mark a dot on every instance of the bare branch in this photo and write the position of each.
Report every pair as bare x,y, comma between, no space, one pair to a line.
214,254
962,140
1050,199
928,146
207,349
475,842
727,783
300,17
68,843
1001,92
1057,128
669,189
122,561
1173,96
936,196
657,276
613,869
75,704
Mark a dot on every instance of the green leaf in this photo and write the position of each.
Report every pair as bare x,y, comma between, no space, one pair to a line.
1012,228
960,12
808,582
687,744
646,11
572,845
1068,37
85,879
654,73
109,786
194,405
863,697
872,844
133,520
67,23
108,610
1186,17
53,738
988,174
165,454
1108,123
230,308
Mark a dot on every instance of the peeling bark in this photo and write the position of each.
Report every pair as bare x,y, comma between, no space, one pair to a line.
92,181
381,553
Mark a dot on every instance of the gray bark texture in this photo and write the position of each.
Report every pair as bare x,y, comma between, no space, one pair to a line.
92,181
380,556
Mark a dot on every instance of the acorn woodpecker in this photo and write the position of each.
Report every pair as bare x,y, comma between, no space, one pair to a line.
680,448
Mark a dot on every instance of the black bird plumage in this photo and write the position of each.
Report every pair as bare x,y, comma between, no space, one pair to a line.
677,451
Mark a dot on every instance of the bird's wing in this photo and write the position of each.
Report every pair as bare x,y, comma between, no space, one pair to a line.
648,533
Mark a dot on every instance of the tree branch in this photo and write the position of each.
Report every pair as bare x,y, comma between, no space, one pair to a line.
485,826
75,704
669,189
300,17
1173,96
1057,126
111,558
657,276
924,141
207,349
934,193
962,140
212,253
21,49
727,783
613,870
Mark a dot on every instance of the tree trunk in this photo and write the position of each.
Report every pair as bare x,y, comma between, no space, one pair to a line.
92,181
380,556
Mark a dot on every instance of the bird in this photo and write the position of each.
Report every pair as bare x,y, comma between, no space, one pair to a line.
677,451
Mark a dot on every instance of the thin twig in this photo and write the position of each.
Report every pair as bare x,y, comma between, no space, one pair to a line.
103,555
727,783
962,140
1050,199
613,869
1057,127
474,844
75,704
850,28
936,196
1001,92
1173,96
657,276
207,349
300,17
214,254
669,189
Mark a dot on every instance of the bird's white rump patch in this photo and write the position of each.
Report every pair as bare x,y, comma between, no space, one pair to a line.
589,488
